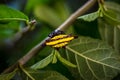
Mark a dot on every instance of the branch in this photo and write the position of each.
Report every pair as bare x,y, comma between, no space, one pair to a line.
20,34
24,31
62,27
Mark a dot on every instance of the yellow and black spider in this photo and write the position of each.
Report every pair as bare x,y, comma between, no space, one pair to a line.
59,39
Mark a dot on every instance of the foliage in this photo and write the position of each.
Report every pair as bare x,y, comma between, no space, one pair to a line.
95,60
9,21
84,58
8,76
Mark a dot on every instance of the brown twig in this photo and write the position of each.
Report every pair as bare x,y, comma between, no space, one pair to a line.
62,27
24,31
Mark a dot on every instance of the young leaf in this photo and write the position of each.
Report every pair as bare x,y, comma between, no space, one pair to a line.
46,75
26,72
8,76
8,14
43,63
64,61
54,60
95,59
90,17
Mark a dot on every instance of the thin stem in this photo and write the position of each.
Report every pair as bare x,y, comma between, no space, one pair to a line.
21,67
20,34
62,27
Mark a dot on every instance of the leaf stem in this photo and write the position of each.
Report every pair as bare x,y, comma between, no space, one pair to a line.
21,67
63,27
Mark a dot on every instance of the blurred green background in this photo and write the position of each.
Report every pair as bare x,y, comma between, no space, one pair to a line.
49,15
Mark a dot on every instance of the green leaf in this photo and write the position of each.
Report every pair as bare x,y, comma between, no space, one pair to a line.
26,72
47,75
51,16
32,3
6,33
10,25
90,17
64,61
8,30
109,25
111,14
8,76
54,60
110,34
43,63
10,21
8,14
106,31
116,39
95,59
62,10
112,5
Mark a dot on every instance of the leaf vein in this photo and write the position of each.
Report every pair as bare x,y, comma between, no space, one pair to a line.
91,69
104,71
78,66
91,59
91,50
